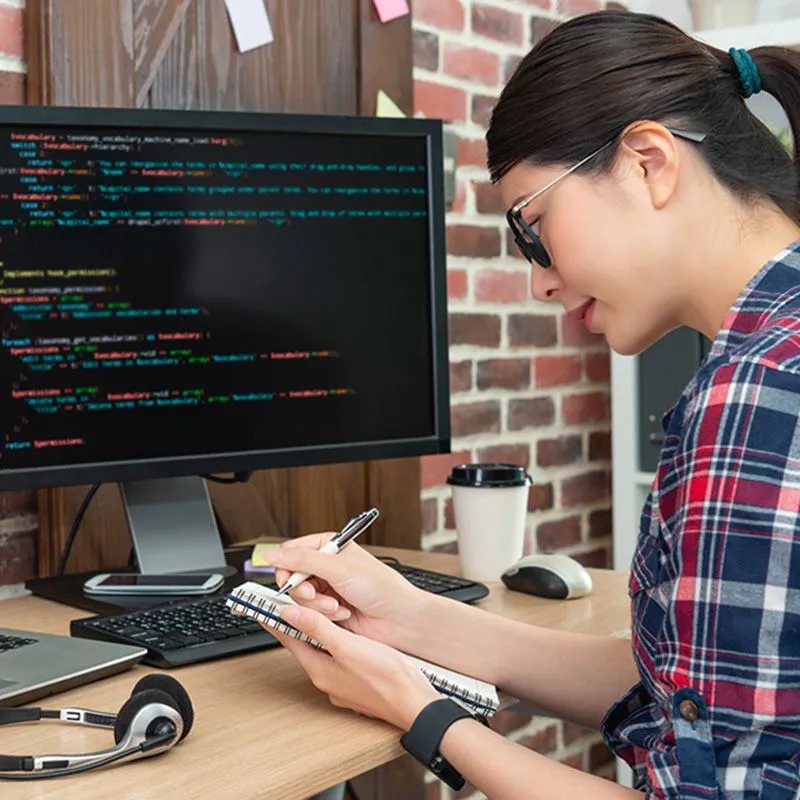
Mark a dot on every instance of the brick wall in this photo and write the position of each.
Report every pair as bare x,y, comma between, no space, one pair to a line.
527,387
17,509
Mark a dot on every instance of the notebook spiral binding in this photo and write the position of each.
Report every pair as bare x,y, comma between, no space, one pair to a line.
243,602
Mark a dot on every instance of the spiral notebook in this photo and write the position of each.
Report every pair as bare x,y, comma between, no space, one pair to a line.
263,605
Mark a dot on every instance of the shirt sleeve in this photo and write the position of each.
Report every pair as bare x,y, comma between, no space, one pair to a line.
730,508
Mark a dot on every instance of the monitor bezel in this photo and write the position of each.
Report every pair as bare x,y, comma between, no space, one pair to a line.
247,461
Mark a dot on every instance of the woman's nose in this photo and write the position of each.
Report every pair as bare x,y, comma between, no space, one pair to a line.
546,284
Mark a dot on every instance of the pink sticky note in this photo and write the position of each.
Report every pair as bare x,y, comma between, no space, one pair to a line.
391,9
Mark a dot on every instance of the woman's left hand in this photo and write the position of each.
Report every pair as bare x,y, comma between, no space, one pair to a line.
357,672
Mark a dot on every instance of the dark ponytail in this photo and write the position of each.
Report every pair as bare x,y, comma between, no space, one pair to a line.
591,77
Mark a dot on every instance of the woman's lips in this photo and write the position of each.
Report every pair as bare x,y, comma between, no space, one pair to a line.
578,314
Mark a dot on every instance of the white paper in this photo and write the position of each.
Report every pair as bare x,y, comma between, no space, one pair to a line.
250,22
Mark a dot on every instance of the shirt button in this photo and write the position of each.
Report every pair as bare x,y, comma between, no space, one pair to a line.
689,710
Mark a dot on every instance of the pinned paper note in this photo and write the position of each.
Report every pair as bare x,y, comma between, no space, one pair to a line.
391,9
250,23
260,555
387,107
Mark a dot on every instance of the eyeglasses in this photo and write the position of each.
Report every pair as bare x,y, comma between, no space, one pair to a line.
527,237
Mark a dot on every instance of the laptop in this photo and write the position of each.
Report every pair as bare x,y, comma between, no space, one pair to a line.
34,665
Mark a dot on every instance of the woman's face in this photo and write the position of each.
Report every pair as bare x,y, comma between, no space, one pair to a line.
610,250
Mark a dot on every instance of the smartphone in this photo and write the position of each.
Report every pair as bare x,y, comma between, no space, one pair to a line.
131,583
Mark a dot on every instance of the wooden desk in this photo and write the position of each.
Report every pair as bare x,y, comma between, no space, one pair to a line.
261,730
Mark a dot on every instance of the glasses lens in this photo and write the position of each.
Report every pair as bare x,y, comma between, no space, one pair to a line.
528,240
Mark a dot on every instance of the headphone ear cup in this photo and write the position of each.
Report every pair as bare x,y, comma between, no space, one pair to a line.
168,684
134,705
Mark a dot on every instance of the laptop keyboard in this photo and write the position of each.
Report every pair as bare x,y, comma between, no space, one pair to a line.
14,642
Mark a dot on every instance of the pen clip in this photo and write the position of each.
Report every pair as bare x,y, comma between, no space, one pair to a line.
355,527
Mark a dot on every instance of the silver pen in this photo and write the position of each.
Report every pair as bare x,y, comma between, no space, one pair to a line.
335,544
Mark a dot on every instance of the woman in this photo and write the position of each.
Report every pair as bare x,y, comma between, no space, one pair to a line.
646,196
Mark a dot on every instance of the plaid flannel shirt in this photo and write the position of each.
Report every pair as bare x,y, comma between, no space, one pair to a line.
715,580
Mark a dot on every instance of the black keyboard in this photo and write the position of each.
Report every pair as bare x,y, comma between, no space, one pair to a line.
187,631
14,642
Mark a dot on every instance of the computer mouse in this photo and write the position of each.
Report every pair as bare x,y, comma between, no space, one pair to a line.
552,575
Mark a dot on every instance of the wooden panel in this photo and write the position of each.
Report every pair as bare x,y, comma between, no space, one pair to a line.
155,24
80,53
385,61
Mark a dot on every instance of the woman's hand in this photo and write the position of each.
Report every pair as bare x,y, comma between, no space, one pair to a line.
356,672
351,587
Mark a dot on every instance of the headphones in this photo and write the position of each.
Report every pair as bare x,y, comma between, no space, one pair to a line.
157,716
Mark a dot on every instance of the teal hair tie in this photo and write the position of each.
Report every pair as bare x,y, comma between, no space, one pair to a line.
749,76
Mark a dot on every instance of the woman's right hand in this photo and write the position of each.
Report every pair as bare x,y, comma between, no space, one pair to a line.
351,587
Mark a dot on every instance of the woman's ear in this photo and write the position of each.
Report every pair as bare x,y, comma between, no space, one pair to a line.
655,157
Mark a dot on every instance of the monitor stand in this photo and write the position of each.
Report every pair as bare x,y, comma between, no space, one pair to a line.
172,526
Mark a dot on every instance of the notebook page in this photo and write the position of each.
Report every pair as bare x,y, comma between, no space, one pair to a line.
263,604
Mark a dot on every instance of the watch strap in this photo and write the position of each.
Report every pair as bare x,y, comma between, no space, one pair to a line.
425,734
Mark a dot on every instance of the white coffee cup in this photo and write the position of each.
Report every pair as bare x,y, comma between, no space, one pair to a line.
490,503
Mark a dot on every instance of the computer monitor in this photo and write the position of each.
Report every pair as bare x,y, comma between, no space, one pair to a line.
184,293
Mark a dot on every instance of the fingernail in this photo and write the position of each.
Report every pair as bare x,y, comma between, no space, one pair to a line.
328,604
305,591
342,614
290,613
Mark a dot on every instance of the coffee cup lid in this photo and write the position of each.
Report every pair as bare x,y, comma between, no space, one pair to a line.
489,475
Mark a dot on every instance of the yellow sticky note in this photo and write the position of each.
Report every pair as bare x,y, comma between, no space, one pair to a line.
387,107
260,557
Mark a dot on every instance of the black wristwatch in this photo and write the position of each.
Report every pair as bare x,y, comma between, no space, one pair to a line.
425,734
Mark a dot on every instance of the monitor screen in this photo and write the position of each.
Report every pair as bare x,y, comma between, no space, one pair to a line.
185,292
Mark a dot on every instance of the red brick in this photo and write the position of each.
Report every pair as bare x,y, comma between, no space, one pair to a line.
18,556
509,67
559,452
468,419
531,330
496,286
600,446
15,504
430,515
435,101
571,8
12,88
471,152
543,741
457,287
497,23
600,523
534,412
599,756
450,518
540,27
488,199
575,760
575,333
598,366
472,64
590,487
580,408
460,200
482,330
504,373
448,14
540,3
11,35
426,50
557,370
505,454
571,733
505,722
434,469
482,106
473,240
558,533
460,377
540,497
599,558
